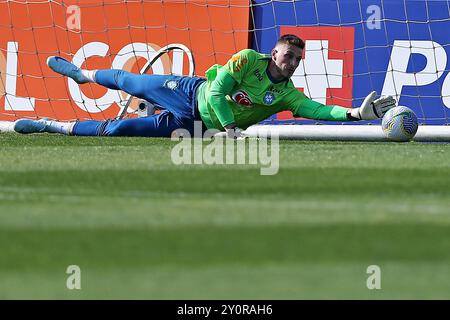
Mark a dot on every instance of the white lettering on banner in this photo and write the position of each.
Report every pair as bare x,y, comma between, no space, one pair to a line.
316,73
12,102
397,77
321,73
177,62
136,49
83,102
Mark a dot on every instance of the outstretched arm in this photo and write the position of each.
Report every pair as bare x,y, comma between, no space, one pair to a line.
369,110
314,110
221,87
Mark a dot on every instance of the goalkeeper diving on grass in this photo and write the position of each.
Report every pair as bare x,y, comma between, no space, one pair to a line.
249,88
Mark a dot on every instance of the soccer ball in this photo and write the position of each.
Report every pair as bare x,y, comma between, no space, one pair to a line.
399,124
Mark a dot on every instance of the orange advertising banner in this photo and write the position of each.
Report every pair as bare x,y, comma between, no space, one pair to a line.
102,35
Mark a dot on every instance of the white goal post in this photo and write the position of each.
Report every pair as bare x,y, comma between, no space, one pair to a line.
344,133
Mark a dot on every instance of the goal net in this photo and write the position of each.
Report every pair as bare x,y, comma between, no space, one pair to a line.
104,34
352,47
394,47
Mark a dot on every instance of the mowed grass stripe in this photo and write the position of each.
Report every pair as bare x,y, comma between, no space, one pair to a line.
400,280
160,210
121,210
212,245
289,182
51,153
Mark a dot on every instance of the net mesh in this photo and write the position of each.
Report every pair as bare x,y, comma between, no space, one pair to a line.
102,35
352,48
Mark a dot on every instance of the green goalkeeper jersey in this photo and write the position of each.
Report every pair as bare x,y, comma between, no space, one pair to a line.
243,92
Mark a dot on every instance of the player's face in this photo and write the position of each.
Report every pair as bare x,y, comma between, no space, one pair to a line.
286,58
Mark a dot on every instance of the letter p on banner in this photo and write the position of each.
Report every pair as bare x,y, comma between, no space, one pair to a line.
402,51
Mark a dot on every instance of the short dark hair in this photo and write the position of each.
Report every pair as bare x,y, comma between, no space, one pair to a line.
293,40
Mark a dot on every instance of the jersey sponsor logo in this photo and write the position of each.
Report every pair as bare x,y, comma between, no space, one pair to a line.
241,97
275,90
171,84
269,98
258,75
238,62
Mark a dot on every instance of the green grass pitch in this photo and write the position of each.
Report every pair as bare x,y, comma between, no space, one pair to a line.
140,227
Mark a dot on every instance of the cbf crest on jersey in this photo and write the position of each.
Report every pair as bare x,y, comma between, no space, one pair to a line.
269,98
171,84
